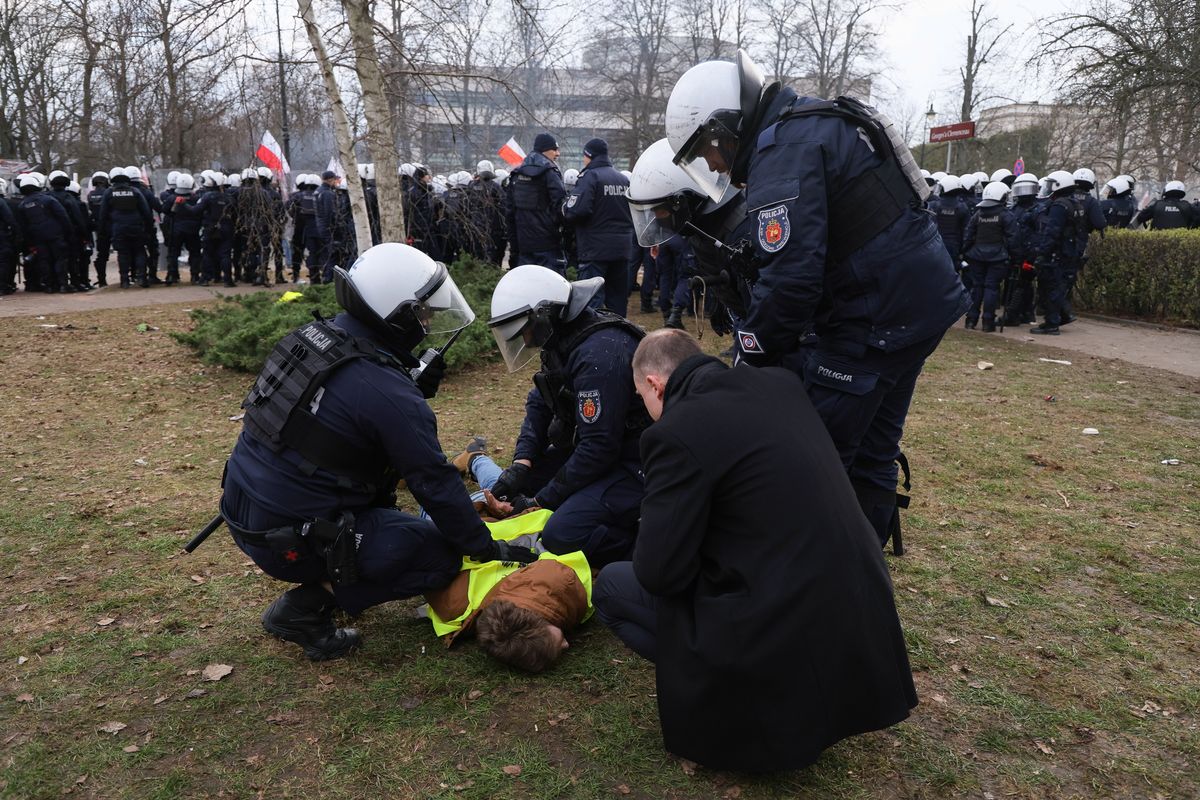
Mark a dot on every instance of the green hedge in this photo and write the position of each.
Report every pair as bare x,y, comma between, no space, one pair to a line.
241,331
1150,275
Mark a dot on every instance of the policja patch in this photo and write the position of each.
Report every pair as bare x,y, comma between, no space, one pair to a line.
773,228
749,342
589,405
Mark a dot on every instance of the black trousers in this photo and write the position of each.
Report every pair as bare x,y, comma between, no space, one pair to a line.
627,609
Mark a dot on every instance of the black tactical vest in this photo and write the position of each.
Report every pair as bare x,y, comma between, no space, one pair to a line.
123,198
989,228
1168,215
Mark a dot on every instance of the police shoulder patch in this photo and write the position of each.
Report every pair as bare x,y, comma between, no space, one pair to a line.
749,342
773,228
572,200
589,405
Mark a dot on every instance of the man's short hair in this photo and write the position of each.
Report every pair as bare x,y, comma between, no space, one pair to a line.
516,636
662,351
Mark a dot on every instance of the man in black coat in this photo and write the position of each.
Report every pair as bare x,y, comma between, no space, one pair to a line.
761,594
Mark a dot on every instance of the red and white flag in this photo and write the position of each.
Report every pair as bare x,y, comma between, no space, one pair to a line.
512,153
271,154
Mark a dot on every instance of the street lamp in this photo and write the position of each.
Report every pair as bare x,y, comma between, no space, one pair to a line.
930,116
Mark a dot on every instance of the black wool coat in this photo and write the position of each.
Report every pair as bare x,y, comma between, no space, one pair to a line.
777,628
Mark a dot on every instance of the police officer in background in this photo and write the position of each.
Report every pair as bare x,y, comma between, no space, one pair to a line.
150,234
46,230
302,207
77,261
487,214
217,214
124,215
599,213
855,287
310,486
99,185
990,240
1019,302
186,218
1119,207
426,207
10,240
577,452
326,219
1056,249
951,215
1170,211
535,198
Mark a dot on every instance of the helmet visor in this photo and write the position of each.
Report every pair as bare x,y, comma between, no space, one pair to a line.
441,307
707,155
510,338
652,222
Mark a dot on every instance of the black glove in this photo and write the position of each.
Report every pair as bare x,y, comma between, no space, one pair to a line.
511,481
719,319
522,503
511,553
431,377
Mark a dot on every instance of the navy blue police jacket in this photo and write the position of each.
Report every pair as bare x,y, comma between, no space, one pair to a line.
535,198
326,199
598,209
995,244
897,289
124,210
186,214
8,224
675,257
302,208
376,409
1119,211
151,200
951,215
599,376
1093,219
94,198
75,212
1055,239
1025,214
217,210
42,218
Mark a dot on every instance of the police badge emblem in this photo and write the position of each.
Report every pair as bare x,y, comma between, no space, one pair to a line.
589,405
773,229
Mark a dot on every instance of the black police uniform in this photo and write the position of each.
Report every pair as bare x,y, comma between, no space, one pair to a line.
364,429
1168,213
848,254
1055,250
989,241
150,237
582,423
426,208
535,198
1119,210
46,229
77,261
326,212
124,214
10,235
487,218
303,209
218,221
598,210
186,220
1019,302
94,198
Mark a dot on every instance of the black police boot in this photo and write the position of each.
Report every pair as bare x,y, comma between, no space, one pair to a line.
647,306
675,318
969,323
1045,330
989,326
304,615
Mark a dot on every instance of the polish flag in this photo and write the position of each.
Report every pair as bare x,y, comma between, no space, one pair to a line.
512,153
271,154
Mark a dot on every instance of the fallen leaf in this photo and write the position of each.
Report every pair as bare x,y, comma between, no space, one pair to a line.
326,680
21,608
1042,461
409,703
160,699
938,698
511,769
105,621
131,748
141,462
689,767
995,601
112,727
25,698
1045,748
474,694
733,792
623,789
198,579
215,672
194,693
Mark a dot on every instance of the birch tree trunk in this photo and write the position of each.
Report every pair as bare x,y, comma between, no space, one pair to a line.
381,136
341,129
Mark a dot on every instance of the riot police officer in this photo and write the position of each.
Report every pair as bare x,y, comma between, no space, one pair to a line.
598,212
310,486
535,198
487,214
46,230
1055,249
951,215
1019,300
855,288
426,210
99,185
302,207
150,232
577,452
989,241
124,215
1119,207
217,214
77,261
10,239
326,219
1170,211
186,219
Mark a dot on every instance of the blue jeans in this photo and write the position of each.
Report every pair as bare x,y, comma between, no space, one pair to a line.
485,472
615,295
550,259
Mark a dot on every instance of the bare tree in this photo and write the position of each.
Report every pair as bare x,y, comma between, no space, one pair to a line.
828,42
985,36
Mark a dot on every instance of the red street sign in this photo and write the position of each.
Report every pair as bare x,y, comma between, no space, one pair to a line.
952,133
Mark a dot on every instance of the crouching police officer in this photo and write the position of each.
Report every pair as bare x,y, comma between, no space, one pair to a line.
855,288
577,452
334,420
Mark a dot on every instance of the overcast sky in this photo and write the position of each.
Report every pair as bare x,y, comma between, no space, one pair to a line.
923,45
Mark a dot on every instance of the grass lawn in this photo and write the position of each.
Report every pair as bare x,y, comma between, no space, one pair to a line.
1049,597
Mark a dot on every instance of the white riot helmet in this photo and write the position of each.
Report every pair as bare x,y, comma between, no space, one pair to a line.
172,179
994,193
439,184
233,179
929,181
366,171
501,175
704,118
485,169
265,173
967,181
662,197
981,180
407,169
1003,175
184,184
58,175
950,183
1083,176
221,179
208,179
1132,182
401,294
1060,180
249,174
1174,187
116,172
301,179
72,187
31,179
134,173
98,178
1119,185
526,303
570,178
1026,185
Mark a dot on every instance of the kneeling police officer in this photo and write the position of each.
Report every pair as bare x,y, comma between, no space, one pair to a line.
335,419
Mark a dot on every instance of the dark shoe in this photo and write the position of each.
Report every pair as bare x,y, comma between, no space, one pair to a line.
124,284
1044,330
969,324
230,284
989,326
647,307
101,284
69,289
675,319
52,290
304,615
203,282
144,283
462,461
1068,320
